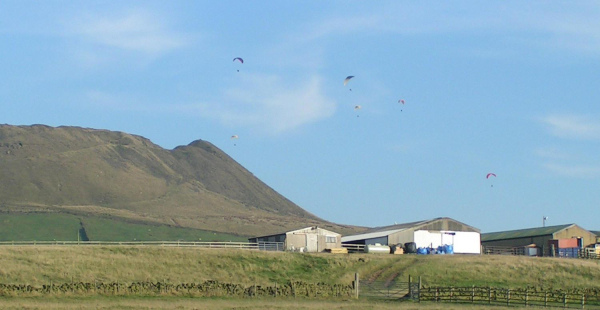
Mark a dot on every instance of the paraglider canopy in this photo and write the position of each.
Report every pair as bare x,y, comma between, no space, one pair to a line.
238,59
235,137
401,101
357,107
348,79
490,175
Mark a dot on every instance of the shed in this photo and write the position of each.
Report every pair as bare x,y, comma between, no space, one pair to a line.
597,233
538,236
311,239
429,233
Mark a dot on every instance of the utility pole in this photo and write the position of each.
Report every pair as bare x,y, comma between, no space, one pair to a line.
544,218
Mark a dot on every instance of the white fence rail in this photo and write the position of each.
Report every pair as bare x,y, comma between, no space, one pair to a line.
354,248
262,246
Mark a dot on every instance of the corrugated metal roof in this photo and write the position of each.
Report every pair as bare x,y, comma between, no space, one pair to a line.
383,231
396,226
523,233
311,228
297,230
595,232
370,235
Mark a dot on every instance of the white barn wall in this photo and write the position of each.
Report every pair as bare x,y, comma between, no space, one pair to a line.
467,242
463,242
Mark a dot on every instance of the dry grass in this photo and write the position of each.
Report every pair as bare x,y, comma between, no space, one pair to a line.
41,265
210,303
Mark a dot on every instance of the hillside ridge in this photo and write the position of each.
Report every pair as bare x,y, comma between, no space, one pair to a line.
102,172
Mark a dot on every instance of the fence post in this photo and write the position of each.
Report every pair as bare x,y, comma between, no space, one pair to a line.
565,300
545,298
507,296
582,300
356,284
275,289
489,295
410,287
437,294
526,296
419,289
451,294
473,294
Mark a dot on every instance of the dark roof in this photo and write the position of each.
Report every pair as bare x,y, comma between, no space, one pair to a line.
395,227
523,233
285,232
414,225
595,232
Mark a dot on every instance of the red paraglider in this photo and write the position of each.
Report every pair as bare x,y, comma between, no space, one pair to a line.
490,175
401,101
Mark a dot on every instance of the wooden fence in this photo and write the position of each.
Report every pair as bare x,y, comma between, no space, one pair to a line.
263,246
588,298
586,253
354,248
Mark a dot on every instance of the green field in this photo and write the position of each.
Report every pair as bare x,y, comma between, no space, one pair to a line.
66,227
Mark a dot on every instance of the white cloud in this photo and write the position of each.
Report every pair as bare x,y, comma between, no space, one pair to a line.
573,126
137,31
553,153
574,171
263,102
571,26
268,102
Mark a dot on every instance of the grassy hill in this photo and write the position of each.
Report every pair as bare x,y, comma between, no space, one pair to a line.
67,227
105,174
40,265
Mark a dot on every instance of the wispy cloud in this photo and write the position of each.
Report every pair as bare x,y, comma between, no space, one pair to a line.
573,126
574,171
553,153
572,26
137,31
263,102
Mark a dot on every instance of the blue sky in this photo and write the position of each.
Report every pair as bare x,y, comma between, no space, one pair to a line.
508,87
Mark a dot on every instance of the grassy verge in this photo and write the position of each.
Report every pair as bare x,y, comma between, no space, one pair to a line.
42,265
103,302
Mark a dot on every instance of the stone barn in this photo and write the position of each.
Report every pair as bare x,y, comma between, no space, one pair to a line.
309,239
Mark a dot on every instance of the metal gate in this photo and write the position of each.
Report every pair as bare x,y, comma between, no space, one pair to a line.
385,290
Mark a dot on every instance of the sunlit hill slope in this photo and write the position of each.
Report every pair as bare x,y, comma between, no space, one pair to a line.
125,177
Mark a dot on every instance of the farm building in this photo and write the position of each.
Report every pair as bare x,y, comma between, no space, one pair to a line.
430,233
539,236
310,239
597,233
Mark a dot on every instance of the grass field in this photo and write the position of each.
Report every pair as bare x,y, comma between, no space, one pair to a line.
40,265
101,302
62,264
66,227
